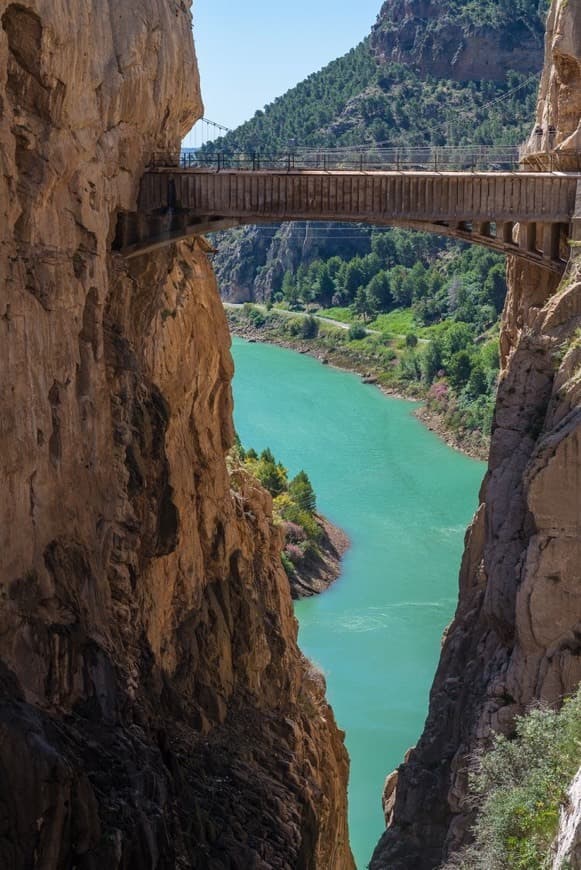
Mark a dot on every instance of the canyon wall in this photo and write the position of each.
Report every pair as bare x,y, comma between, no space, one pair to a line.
155,711
516,636
459,42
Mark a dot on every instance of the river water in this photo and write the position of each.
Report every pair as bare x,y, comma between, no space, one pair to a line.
405,499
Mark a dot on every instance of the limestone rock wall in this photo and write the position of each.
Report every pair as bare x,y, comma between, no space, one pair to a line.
516,636
154,708
559,106
444,39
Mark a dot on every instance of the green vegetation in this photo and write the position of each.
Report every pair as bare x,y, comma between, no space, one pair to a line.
480,13
519,788
423,276
431,334
355,100
294,504
356,332
447,291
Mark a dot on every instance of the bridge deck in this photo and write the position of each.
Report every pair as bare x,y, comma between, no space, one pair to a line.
483,207
424,196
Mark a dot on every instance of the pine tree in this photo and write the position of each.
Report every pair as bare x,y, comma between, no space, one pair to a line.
302,493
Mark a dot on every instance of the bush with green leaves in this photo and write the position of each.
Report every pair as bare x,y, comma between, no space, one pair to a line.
271,474
309,327
356,332
519,787
287,509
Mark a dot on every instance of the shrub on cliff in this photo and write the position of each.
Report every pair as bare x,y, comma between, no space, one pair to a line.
289,511
519,788
294,503
271,474
294,533
294,554
287,564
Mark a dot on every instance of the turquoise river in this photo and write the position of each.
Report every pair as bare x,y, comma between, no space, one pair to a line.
405,499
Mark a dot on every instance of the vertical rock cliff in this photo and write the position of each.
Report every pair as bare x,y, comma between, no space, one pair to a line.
155,711
516,637
457,40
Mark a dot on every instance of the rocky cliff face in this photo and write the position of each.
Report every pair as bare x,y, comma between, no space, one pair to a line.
516,637
559,106
154,708
457,41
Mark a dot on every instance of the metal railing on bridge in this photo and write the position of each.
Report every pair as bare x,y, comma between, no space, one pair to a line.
412,158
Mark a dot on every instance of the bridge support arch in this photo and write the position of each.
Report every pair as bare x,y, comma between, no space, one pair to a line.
528,215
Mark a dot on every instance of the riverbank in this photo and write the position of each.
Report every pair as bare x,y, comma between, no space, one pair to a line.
329,347
319,568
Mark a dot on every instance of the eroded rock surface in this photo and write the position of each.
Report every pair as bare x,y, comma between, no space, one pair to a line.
455,42
559,108
567,844
154,708
516,636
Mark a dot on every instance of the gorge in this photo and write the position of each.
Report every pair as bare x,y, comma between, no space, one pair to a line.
515,637
155,708
404,498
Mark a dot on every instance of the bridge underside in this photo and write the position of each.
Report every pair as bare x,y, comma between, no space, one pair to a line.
544,244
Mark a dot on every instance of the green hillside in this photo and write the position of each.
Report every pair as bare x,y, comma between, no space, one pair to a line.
357,100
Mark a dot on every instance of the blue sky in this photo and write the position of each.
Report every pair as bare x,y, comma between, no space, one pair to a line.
251,52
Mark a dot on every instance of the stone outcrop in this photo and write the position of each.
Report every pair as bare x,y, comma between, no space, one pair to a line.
567,845
452,42
154,708
516,636
558,120
320,566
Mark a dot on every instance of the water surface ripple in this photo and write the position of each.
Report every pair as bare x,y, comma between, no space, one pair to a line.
404,498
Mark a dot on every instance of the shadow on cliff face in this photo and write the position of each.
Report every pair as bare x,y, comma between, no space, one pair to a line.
120,761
